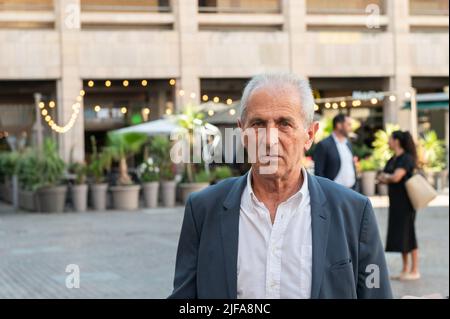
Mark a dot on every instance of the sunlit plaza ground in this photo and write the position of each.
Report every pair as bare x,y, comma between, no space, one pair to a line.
131,254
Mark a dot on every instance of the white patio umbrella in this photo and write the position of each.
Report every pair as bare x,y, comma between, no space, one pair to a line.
164,126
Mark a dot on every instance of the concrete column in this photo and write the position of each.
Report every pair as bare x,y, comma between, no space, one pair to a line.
186,24
398,11
294,12
67,13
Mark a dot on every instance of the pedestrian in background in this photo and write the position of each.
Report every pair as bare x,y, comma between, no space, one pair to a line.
333,156
401,234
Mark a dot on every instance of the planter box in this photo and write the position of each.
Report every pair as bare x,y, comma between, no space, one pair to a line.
150,194
79,197
168,193
8,193
382,189
52,199
99,196
125,197
368,182
188,188
28,200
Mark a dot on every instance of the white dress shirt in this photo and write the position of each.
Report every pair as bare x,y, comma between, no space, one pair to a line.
275,261
346,174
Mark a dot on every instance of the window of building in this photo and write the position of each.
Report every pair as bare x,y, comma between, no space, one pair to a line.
343,7
428,7
126,5
239,6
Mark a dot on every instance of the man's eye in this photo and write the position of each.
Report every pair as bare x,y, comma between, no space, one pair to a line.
256,124
285,123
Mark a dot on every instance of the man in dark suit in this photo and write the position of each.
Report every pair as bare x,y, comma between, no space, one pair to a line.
278,232
333,156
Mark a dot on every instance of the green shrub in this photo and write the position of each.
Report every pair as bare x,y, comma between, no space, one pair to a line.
368,164
148,171
222,172
160,152
432,152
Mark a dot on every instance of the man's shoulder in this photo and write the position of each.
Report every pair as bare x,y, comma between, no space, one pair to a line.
214,193
337,193
326,141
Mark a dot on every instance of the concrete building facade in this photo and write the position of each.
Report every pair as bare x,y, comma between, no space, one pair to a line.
181,47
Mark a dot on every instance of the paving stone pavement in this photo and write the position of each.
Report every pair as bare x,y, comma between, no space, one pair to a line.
132,254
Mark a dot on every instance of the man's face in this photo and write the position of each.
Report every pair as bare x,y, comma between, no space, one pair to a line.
345,128
274,132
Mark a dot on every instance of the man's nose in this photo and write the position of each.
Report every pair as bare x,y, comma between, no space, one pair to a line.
270,135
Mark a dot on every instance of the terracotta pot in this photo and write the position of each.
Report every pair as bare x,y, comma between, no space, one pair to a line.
150,192
368,182
99,196
125,197
79,197
52,199
168,193
189,188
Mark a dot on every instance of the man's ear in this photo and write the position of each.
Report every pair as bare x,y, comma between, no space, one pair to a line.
242,135
312,130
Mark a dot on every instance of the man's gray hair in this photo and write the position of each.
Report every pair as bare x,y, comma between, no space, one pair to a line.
282,80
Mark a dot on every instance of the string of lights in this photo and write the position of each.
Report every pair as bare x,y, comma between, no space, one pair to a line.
350,101
61,129
328,103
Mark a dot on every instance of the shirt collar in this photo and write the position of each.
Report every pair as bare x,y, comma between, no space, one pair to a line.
303,191
336,140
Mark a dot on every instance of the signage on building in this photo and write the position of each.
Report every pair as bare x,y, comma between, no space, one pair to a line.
367,95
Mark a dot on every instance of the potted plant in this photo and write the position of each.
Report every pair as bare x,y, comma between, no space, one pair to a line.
99,163
382,153
160,151
29,179
8,162
196,175
79,189
51,193
369,168
121,146
432,158
149,176
222,172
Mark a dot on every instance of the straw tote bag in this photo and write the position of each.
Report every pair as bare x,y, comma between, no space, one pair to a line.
420,192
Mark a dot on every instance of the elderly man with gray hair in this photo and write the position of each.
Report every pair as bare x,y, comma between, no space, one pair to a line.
278,232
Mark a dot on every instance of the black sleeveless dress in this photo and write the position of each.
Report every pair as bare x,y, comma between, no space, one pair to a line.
401,234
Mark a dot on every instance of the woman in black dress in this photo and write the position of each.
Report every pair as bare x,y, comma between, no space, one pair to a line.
401,235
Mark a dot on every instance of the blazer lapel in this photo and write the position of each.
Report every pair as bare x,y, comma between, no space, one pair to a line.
230,233
320,226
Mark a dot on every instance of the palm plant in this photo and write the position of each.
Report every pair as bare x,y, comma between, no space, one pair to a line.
191,120
160,152
120,147
432,152
99,163
382,153
50,165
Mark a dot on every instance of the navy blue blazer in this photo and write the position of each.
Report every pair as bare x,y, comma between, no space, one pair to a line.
348,260
327,162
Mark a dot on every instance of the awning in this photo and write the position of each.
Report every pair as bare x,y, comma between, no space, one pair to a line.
431,101
423,106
